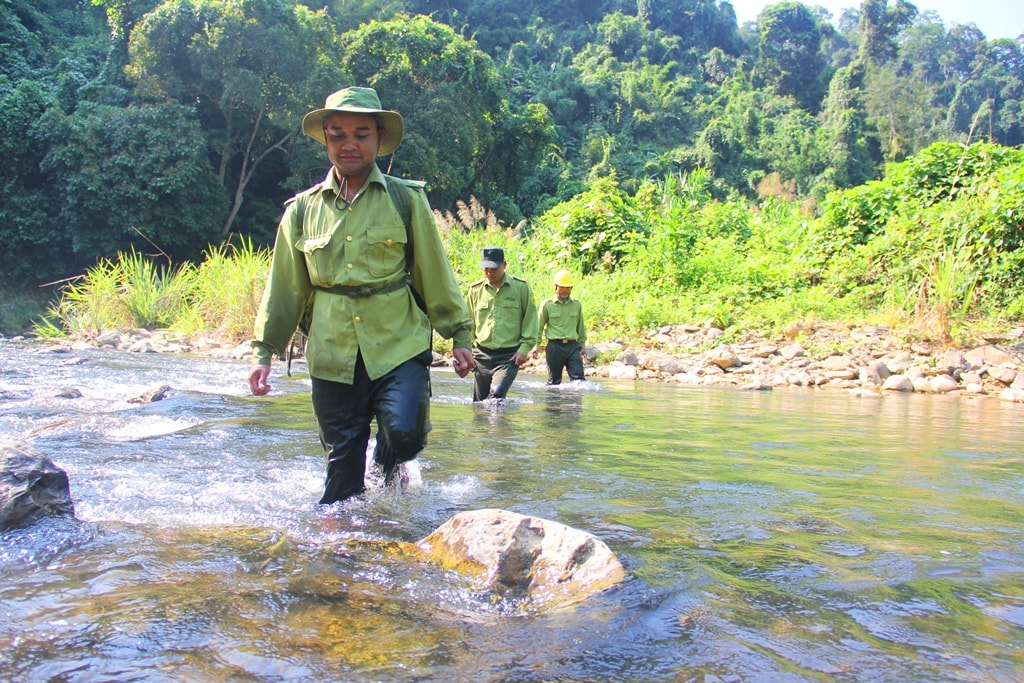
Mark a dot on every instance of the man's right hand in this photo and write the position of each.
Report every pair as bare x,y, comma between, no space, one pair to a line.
258,380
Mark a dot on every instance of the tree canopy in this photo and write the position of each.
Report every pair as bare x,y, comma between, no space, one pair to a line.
170,125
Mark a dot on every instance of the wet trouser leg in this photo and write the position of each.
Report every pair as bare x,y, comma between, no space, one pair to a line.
574,363
400,401
563,355
555,358
494,372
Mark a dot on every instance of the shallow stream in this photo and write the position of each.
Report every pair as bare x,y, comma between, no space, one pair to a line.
789,535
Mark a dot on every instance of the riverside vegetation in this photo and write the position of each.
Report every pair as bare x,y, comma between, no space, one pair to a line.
931,254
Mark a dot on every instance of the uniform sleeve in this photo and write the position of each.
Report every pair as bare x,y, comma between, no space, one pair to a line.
530,334
542,321
581,328
433,278
285,293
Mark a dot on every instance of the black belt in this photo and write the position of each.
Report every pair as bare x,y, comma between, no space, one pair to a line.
511,349
367,290
561,341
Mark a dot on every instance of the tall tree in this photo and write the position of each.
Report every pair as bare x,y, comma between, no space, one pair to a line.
790,59
133,176
451,96
250,68
880,25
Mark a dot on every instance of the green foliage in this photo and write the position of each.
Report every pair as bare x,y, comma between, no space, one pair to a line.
790,59
421,68
138,175
227,289
250,68
940,239
218,297
125,294
626,140
595,229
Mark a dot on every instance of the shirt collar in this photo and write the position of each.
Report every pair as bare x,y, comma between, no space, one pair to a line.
330,182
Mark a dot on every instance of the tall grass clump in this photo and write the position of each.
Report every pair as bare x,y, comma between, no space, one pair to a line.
125,293
227,289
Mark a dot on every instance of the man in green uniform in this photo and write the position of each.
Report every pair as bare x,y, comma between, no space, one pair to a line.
504,326
345,246
561,323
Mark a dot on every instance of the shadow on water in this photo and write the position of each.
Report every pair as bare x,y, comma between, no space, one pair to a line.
786,535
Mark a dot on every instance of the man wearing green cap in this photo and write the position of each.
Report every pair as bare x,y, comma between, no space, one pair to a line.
347,246
504,326
561,322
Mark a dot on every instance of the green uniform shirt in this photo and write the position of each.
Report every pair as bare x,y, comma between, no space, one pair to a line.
505,317
363,244
560,320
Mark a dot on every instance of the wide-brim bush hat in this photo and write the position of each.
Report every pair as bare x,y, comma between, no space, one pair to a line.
357,101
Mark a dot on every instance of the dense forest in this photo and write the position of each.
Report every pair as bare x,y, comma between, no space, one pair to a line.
169,126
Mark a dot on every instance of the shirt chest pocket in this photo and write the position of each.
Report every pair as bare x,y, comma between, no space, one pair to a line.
508,305
313,248
385,249
561,315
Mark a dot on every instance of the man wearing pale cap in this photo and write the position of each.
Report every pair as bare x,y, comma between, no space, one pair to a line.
561,322
504,326
361,250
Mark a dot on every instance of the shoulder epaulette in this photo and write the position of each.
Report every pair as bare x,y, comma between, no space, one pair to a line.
516,277
308,192
415,184
479,282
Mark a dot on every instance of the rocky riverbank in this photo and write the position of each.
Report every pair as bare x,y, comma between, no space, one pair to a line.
868,361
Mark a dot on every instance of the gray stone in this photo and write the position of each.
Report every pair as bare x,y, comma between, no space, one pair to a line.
1012,395
987,355
521,556
31,487
723,357
943,384
620,371
153,395
898,383
951,360
792,351
628,358
1006,374
835,363
662,362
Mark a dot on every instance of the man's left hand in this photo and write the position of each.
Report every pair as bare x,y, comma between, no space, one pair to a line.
463,361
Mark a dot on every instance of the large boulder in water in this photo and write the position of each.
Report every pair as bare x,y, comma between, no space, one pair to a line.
520,556
31,487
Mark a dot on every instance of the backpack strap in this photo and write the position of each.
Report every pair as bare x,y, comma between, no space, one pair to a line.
399,191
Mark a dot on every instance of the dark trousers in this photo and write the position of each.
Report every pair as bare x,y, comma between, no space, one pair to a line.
563,354
399,401
494,372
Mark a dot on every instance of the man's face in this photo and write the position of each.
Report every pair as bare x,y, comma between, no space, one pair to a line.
495,275
563,292
352,142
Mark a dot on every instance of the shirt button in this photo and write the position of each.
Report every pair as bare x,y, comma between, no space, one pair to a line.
348,238
358,319
389,243
348,265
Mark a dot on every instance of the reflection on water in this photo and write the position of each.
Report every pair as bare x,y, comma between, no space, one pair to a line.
786,535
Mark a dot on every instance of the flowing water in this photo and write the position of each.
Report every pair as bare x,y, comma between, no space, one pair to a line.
791,535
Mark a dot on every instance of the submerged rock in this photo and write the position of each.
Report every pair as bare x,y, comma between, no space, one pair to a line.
31,487
520,556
